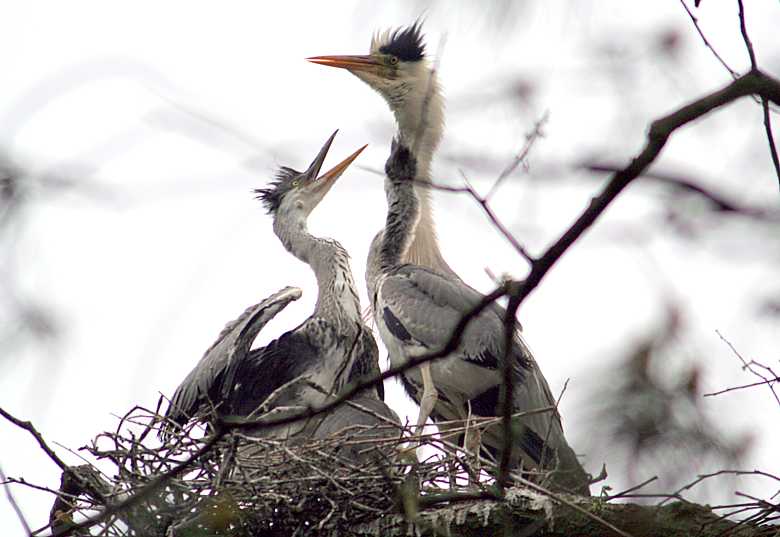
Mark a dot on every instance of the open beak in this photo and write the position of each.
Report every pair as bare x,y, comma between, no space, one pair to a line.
353,63
320,186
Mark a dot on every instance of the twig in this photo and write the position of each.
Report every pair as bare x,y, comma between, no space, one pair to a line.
749,366
13,503
553,496
484,203
704,477
746,37
719,201
764,102
742,387
770,137
530,139
695,21
632,489
146,491
550,424
507,399
28,426
754,82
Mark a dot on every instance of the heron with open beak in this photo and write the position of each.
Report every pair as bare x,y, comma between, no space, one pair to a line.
305,366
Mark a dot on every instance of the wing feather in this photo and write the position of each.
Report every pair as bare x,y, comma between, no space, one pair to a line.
233,343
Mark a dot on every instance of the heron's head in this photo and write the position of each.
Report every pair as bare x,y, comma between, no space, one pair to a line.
295,194
396,65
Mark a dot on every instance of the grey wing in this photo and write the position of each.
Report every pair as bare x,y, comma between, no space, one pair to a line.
422,308
234,341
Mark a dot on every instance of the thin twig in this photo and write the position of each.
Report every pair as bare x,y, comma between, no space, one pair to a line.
749,366
624,493
14,505
507,399
742,387
520,158
746,37
483,202
695,21
146,491
550,423
764,102
770,137
28,426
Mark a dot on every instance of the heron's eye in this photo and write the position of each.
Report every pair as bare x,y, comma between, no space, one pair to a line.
296,183
393,60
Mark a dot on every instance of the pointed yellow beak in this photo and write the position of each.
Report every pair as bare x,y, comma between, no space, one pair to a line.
323,183
352,63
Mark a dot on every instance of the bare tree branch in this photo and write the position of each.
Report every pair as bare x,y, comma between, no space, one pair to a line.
27,426
764,103
754,66
746,37
768,380
755,82
719,201
770,137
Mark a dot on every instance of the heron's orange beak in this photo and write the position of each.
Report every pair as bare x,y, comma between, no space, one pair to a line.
352,63
324,182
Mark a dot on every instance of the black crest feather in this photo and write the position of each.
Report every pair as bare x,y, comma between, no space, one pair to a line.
271,197
406,44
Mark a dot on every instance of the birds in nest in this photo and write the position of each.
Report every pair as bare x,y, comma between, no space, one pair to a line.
415,297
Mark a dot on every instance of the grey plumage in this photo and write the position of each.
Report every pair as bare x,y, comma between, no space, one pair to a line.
416,310
416,296
322,351
366,415
204,382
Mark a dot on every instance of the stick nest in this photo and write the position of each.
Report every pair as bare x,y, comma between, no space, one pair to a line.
249,486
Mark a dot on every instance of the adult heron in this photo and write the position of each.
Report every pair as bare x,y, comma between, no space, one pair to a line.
304,366
418,299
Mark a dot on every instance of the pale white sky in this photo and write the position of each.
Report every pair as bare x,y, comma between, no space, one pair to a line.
165,244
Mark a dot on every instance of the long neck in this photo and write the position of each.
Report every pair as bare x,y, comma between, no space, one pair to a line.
390,247
403,214
337,298
420,119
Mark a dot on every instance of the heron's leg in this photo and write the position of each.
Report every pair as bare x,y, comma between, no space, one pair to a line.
428,399
474,446
472,441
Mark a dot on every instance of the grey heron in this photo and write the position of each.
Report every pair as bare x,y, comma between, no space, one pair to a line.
417,299
328,349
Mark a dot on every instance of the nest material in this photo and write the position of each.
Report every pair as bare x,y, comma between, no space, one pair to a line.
249,486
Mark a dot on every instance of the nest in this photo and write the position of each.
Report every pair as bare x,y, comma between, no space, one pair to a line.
247,486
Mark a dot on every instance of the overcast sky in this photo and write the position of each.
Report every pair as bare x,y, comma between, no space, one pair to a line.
165,115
